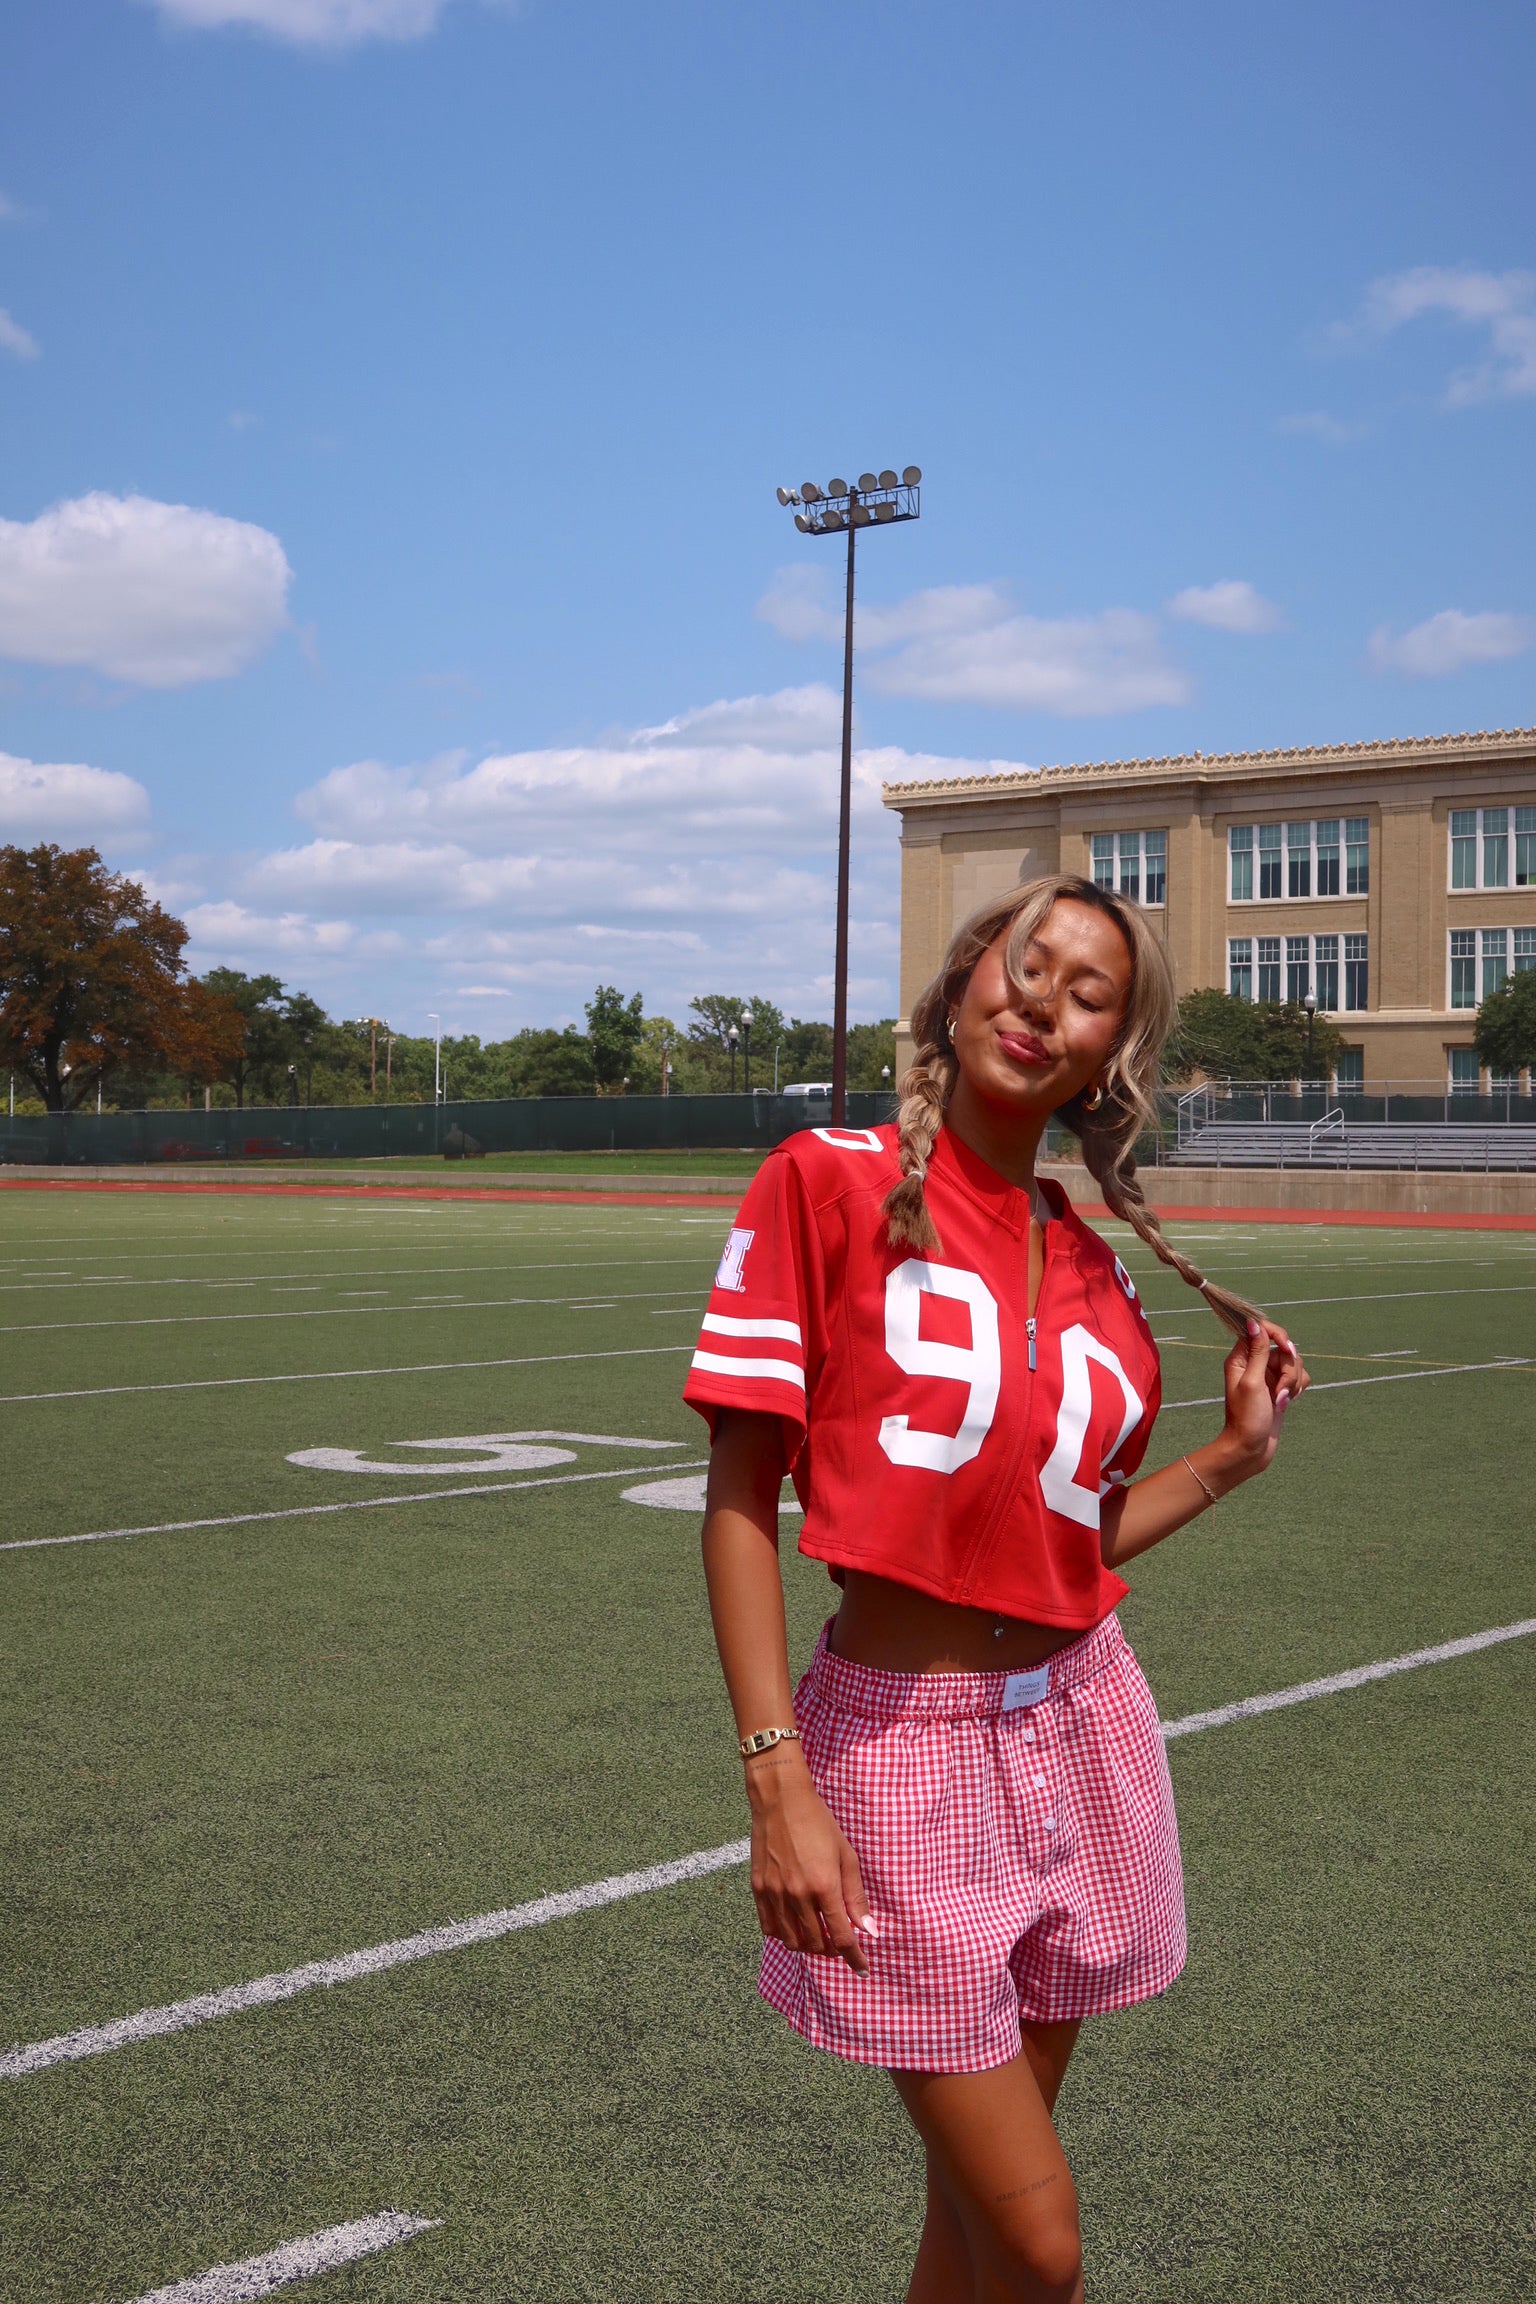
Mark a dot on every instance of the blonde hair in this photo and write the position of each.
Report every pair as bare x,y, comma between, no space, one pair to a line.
1108,1132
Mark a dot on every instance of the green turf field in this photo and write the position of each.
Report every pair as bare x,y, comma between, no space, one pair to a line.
242,1746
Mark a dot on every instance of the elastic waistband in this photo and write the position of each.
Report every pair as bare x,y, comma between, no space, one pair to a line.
872,1695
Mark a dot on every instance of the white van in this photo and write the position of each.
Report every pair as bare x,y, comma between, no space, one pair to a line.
808,1088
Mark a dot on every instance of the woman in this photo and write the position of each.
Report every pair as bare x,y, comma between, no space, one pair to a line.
963,1839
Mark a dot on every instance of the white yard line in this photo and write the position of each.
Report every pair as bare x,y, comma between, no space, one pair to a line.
338,1375
1384,1296
295,2260
453,1936
349,1504
1348,1383
1338,1683
274,1279
312,1312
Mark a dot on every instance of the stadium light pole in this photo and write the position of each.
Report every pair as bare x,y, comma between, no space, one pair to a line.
877,499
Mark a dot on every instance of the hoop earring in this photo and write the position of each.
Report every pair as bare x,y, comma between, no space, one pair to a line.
949,1024
1092,1103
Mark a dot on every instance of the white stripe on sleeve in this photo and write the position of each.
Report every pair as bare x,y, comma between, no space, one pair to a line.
726,1324
766,1371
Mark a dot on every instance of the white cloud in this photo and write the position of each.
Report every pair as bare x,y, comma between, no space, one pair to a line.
160,594
1230,606
311,23
675,859
967,643
1450,642
16,339
62,799
1501,303
1317,424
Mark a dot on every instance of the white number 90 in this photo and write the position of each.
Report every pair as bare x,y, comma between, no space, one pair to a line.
978,1365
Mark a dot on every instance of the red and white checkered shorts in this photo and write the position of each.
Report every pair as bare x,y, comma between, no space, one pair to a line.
1018,1862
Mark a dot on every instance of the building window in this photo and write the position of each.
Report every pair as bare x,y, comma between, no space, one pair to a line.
1269,860
1303,859
1525,847
1269,967
1357,972
1495,958
1349,1071
1525,949
1357,855
1463,967
1463,1071
1482,850
1129,862
1311,963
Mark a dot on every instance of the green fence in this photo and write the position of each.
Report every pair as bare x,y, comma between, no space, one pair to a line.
426,1131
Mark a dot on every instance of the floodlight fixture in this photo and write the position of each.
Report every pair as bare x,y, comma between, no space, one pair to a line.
785,495
879,500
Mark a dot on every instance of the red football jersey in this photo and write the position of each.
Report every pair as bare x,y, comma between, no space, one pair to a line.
935,1433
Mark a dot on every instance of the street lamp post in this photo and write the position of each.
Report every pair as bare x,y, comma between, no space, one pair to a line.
746,1050
437,1055
733,1042
1310,1005
878,500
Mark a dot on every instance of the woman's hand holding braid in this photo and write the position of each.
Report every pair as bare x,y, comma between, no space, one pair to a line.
1264,1374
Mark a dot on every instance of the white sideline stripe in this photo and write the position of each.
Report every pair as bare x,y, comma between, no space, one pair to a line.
726,1324
295,2260
1384,1296
591,1299
179,2015
1249,1707
1348,1383
775,1371
348,1504
338,1375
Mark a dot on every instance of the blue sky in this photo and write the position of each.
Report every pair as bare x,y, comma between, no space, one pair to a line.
394,393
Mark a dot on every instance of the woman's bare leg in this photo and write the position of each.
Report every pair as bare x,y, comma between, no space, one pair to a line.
1001,2223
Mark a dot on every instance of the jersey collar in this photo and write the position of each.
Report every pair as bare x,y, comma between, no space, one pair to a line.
957,1165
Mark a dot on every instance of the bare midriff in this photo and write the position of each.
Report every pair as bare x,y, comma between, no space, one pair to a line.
893,1628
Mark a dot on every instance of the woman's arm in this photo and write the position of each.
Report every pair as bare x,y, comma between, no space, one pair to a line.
805,1876
1263,1374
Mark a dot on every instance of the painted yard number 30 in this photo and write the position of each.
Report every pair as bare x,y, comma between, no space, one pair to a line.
979,1367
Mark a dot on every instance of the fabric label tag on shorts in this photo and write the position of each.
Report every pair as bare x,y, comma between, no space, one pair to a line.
1023,1688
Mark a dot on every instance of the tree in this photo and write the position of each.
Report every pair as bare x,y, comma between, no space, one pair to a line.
259,1002
91,979
614,1025
1226,1037
1504,1032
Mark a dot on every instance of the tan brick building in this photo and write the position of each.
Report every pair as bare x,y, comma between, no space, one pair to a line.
1396,880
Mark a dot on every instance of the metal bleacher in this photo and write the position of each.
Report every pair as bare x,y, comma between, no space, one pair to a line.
1236,1125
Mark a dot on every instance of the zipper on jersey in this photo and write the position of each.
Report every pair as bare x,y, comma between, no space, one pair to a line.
1004,1489
1029,1330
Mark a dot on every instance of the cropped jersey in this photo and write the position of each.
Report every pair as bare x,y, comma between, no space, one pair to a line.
935,1433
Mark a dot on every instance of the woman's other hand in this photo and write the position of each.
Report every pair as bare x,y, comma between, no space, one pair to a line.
805,1876
1264,1373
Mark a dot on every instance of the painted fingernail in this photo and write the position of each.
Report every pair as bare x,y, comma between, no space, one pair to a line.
867,1924
1282,1400
1253,1328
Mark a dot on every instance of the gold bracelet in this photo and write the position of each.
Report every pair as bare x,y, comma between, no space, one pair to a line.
1205,1484
764,1739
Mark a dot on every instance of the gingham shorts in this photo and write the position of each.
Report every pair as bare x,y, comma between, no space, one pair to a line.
1018,1863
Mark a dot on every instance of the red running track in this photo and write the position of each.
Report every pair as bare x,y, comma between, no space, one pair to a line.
1401,1220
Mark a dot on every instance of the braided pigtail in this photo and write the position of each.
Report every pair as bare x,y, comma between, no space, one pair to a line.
925,1090
1124,1106
1109,1156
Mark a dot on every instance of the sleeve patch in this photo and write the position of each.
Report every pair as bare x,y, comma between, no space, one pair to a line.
730,1275
850,1139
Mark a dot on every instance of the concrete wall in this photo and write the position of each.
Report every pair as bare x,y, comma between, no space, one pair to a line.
1383,1190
